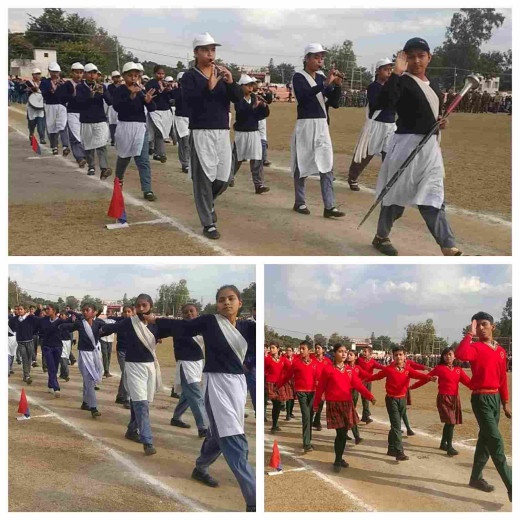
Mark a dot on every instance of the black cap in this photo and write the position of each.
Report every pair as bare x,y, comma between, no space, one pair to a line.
416,43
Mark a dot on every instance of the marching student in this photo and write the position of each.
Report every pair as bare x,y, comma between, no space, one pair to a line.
225,388
378,129
112,114
142,370
89,353
207,90
274,367
55,111
322,362
489,383
173,136
123,397
289,387
161,119
337,383
311,146
368,364
189,359
397,381
12,345
248,144
67,92
417,102
66,349
106,343
182,123
448,399
131,135
35,108
262,124
303,370
94,129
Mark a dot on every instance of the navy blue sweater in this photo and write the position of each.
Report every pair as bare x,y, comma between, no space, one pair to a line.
50,98
187,349
308,105
84,341
208,109
247,117
248,329
181,109
162,99
220,357
66,94
130,109
25,329
49,333
92,109
402,94
373,91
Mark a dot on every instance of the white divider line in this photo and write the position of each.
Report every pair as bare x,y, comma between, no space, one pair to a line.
145,205
282,472
127,463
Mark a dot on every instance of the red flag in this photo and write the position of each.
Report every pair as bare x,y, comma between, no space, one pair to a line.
117,204
276,461
35,146
23,407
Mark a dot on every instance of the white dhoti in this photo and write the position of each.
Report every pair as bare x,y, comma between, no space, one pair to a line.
112,116
140,380
67,347
214,153
248,146
262,128
33,113
74,125
182,126
192,373
55,118
380,136
94,135
163,120
129,138
90,365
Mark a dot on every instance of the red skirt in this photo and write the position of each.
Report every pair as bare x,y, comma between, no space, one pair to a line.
274,393
450,410
288,390
341,414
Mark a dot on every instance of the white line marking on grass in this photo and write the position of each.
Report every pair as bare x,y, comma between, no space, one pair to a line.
146,205
39,157
129,465
273,473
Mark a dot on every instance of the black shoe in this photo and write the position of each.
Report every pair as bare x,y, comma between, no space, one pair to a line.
91,171
354,186
275,429
292,416
344,463
95,412
481,484
318,427
175,395
105,173
112,143
85,406
34,364
231,184
301,208
357,440
452,452
55,151
66,379
401,456
28,380
96,388
203,433
287,418
392,453
185,170
205,478
261,189
163,159
82,163
43,141
267,163
133,436
149,195
66,151
18,362
149,449
410,433
307,449
127,405
333,213
44,370
250,509
179,423
211,232
510,496
120,401
384,246
443,447
368,420
156,157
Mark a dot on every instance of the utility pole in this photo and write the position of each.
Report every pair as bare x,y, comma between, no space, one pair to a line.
352,78
455,78
117,55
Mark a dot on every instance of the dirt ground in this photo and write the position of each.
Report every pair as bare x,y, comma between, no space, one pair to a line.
260,225
429,481
85,464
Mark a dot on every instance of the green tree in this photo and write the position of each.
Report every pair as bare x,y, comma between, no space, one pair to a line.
506,323
420,337
249,297
90,300
210,308
321,339
72,302
384,343
19,47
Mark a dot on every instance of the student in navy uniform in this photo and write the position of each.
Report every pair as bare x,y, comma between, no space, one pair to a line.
250,360
161,119
66,349
142,370
55,111
311,146
248,144
123,397
418,104
67,92
378,129
181,125
112,114
131,135
89,359
207,90
94,128
262,123
225,389
35,116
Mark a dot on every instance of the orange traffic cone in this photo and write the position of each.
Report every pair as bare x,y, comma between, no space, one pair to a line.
276,461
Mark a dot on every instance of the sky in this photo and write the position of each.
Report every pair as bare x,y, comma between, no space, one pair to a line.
356,300
253,36
111,282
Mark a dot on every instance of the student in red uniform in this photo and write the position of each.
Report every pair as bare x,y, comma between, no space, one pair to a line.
352,357
322,362
448,399
489,382
274,367
289,387
337,382
397,381
303,370
367,363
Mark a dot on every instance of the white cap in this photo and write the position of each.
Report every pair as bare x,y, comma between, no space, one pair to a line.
115,73
77,66
54,67
146,77
89,67
313,48
179,75
168,79
246,80
383,62
202,40
140,67
36,71
130,65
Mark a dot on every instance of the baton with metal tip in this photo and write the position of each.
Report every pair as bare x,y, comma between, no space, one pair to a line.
471,83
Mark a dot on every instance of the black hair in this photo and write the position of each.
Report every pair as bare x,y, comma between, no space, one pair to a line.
483,316
145,297
318,345
157,68
305,342
232,287
52,306
443,353
354,351
127,307
89,305
189,304
398,349
32,306
275,343
337,346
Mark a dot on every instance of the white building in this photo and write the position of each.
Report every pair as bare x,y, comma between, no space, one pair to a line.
41,60
492,85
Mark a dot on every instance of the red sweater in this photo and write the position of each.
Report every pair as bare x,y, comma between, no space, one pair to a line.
304,376
320,365
397,382
337,386
448,379
273,370
488,367
362,374
368,366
